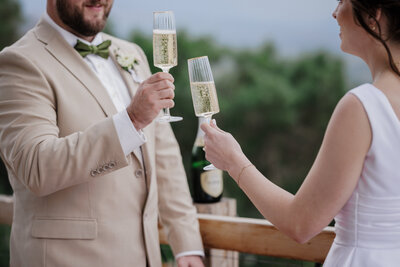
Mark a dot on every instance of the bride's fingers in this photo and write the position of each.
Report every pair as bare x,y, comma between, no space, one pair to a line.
207,128
206,140
213,124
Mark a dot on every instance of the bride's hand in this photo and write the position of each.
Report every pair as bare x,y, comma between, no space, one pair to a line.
223,150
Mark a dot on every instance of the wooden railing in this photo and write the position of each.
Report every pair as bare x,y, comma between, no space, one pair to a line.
257,236
252,236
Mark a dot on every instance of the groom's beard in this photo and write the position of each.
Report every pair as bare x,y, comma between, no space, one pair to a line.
74,16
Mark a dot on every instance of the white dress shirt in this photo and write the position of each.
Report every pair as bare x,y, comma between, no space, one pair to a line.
106,70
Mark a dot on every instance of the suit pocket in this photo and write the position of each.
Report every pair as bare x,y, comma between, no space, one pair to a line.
64,228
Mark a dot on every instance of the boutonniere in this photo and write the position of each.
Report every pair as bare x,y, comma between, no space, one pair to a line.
127,62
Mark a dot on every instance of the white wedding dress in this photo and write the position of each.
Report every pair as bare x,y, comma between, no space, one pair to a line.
368,226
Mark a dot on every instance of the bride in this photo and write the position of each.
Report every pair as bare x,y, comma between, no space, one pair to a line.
355,178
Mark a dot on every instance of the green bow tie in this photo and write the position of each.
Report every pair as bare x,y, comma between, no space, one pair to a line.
100,50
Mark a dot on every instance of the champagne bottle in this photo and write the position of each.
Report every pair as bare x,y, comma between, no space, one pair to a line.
207,185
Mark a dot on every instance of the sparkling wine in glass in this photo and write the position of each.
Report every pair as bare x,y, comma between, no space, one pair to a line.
204,94
165,52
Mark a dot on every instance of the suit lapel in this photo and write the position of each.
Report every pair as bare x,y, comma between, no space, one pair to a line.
126,76
132,80
73,62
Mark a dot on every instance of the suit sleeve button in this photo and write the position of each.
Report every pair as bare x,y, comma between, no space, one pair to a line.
112,164
139,173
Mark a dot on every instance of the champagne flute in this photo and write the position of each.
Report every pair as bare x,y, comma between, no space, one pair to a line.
204,94
165,52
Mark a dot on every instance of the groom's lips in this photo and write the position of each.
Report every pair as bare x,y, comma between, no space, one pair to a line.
96,7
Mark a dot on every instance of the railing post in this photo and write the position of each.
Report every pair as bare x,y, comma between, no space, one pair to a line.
6,209
219,257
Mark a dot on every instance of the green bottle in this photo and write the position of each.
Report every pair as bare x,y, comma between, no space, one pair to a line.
207,185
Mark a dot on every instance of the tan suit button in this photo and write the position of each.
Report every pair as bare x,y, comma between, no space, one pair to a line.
111,164
101,169
139,173
94,173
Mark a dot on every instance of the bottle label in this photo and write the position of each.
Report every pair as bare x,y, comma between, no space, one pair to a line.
212,183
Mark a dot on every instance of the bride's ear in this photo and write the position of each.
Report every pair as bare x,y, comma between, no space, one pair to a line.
372,21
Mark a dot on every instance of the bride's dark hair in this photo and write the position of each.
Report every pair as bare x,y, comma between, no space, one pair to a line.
366,9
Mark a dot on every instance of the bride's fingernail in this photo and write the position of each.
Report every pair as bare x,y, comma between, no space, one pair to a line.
214,121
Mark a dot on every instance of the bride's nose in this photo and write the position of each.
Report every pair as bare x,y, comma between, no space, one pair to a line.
334,14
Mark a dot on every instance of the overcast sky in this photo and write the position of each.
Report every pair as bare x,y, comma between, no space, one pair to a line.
294,26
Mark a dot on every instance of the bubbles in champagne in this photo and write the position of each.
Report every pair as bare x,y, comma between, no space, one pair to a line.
205,100
164,49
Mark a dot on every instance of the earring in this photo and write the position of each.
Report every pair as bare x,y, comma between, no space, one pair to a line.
372,27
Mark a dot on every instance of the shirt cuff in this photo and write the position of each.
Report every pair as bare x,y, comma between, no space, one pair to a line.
129,138
190,253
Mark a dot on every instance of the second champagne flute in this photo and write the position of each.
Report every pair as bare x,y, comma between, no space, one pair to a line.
204,94
165,51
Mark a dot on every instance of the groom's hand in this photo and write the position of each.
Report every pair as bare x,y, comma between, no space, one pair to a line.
190,261
153,94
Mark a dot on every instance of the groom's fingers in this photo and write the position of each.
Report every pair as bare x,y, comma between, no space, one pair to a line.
160,76
162,85
167,103
166,94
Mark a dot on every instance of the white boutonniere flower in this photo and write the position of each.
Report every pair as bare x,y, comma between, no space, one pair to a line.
127,62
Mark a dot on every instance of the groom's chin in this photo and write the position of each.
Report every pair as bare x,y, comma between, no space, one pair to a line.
94,17
92,26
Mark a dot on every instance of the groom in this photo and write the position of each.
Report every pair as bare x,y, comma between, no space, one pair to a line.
92,173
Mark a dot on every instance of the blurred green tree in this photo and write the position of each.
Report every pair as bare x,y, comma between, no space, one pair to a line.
10,13
277,108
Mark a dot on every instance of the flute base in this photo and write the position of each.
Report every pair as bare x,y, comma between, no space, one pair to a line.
210,167
167,118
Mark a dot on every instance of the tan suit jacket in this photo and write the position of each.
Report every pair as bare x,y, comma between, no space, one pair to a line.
79,201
